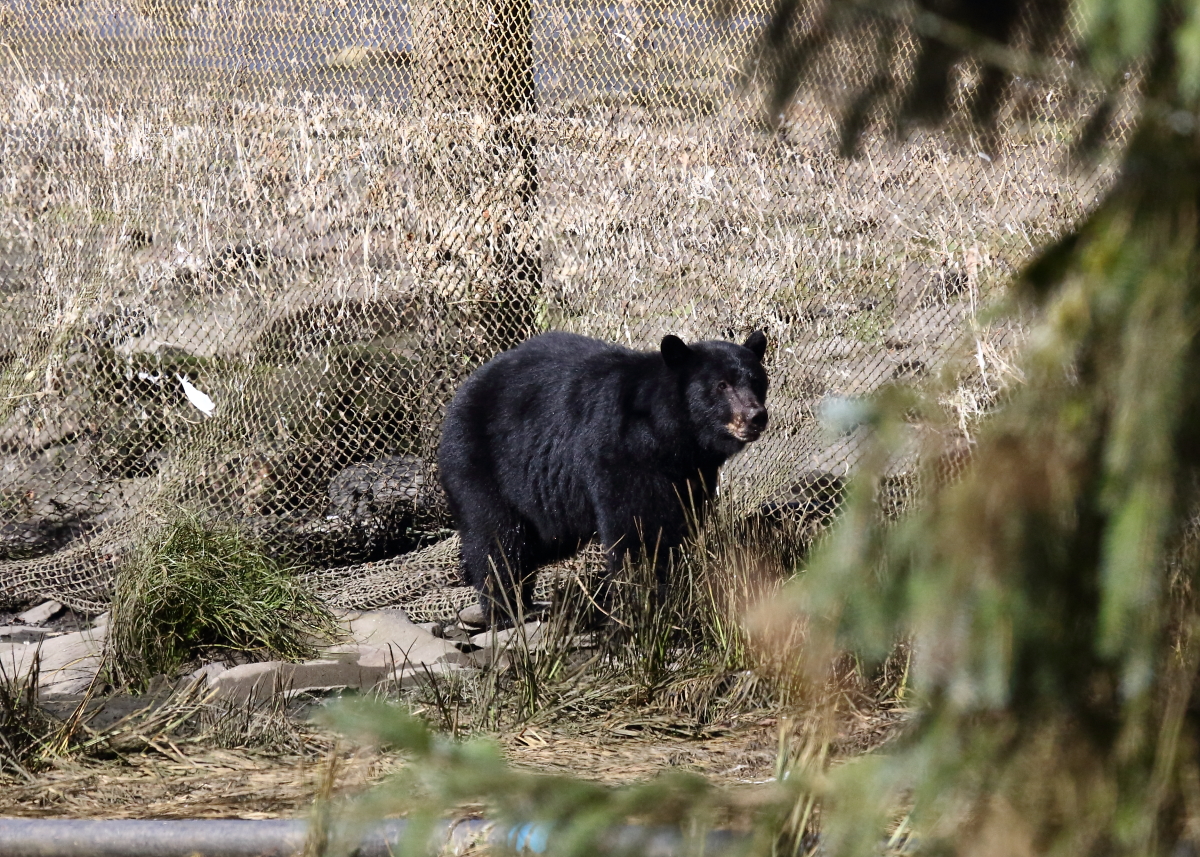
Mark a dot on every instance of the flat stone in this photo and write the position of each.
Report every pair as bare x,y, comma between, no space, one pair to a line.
15,660
368,656
372,656
497,647
413,677
359,668
240,683
44,612
528,634
68,663
22,633
263,680
392,630
208,672
456,633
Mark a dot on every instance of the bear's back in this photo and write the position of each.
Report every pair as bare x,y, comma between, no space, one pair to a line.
567,349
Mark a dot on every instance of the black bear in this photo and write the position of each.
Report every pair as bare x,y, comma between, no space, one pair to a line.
565,438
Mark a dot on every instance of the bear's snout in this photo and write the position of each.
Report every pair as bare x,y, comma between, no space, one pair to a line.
749,421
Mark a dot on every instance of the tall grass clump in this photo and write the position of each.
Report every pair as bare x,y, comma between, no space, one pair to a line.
682,650
203,589
26,730
688,649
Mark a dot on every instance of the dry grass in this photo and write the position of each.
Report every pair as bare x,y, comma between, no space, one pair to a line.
196,784
261,231
219,783
306,278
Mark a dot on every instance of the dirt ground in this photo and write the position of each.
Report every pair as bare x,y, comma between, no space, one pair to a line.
176,780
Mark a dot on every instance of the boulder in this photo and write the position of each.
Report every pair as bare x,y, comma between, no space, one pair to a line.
375,489
371,510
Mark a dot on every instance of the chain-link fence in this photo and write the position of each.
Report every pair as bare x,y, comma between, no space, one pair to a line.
248,250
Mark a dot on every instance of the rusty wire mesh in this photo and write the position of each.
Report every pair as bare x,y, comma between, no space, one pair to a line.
248,249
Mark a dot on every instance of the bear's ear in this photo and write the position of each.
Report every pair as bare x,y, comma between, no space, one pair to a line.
757,343
675,352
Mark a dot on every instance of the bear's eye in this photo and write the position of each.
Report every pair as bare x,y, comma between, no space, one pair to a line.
722,386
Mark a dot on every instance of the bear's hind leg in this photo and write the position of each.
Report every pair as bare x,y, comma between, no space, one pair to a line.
500,562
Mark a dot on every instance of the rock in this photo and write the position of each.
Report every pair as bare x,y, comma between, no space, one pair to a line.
370,656
373,510
359,668
40,614
414,677
377,509
392,631
15,660
68,662
496,647
259,681
249,680
34,538
472,617
22,633
374,488
208,672
374,656
434,628
456,633
329,541
30,429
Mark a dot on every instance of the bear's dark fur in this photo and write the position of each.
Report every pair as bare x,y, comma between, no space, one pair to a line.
564,438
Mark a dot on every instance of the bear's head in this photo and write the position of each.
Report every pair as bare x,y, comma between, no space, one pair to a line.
725,388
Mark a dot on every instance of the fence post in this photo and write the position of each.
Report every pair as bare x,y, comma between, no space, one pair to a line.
474,81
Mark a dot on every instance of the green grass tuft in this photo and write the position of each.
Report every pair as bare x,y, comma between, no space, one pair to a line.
25,728
209,590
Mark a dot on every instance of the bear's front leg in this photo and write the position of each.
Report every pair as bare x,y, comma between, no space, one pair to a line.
647,522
